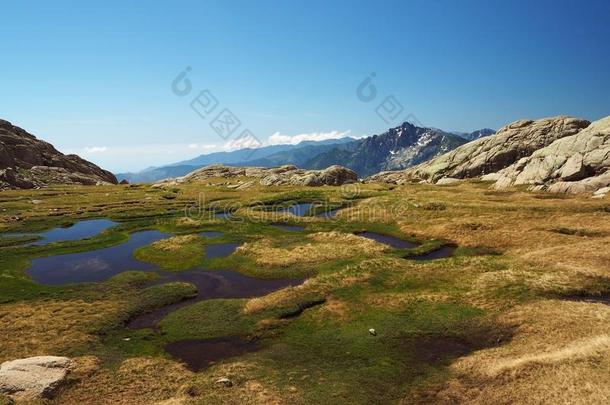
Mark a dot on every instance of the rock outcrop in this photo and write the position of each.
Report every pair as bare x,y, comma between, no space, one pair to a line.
34,377
575,164
489,154
284,175
27,162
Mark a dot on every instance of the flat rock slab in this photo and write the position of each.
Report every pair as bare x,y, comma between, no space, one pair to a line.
33,377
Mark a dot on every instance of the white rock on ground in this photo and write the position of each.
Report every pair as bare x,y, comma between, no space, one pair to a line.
34,377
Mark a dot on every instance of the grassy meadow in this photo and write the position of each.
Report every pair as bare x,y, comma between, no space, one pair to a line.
518,314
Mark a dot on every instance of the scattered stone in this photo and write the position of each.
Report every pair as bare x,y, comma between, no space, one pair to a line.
34,377
373,332
601,193
445,181
224,381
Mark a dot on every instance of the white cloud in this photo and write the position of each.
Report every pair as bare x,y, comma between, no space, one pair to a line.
95,149
202,146
281,139
244,142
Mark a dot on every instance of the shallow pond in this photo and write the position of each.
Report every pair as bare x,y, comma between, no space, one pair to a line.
299,210
222,215
80,230
95,265
101,264
211,234
328,214
220,250
199,354
443,252
212,284
388,240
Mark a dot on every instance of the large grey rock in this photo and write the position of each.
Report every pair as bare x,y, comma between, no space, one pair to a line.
34,377
574,164
490,154
276,176
27,162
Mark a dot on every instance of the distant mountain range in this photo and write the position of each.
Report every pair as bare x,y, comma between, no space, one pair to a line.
481,133
267,156
398,148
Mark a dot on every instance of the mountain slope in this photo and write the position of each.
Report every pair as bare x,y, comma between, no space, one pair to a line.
299,156
398,148
250,154
27,162
490,154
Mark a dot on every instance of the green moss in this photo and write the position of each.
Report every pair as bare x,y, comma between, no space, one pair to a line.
361,368
208,319
161,295
173,254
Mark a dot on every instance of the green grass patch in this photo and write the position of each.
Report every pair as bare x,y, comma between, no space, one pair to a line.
175,254
208,319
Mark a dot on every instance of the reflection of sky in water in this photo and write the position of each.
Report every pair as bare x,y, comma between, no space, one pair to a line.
388,240
211,234
220,250
95,265
80,230
300,210
212,284
328,214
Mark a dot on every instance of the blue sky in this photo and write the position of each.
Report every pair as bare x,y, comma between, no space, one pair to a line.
95,79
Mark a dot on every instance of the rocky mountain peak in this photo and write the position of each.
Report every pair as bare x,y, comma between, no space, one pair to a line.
28,162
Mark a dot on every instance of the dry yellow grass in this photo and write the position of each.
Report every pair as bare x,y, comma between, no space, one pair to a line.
175,243
49,327
560,351
137,381
560,354
400,300
324,246
587,257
